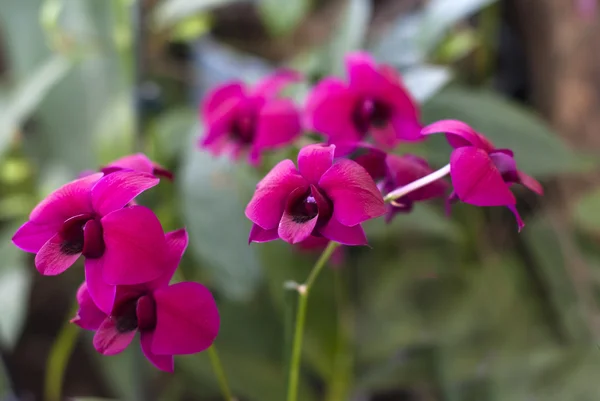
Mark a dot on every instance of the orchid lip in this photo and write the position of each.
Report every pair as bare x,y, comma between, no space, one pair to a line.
72,233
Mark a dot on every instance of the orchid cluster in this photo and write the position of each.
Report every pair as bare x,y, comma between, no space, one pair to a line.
129,262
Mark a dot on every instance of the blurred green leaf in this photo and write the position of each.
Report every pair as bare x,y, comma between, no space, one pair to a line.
171,11
349,33
214,192
22,102
15,282
125,372
282,16
587,211
538,150
424,81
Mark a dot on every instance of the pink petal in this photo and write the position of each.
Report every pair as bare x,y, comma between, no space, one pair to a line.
267,205
218,96
69,200
116,190
458,134
291,229
336,231
368,156
109,340
363,74
166,363
405,169
476,180
314,161
177,242
30,237
258,234
520,223
531,183
329,110
93,243
102,293
187,319
135,243
219,125
52,259
88,317
137,162
270,86
355,196
407,125
278,125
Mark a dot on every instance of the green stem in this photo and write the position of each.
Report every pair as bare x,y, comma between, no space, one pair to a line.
220,373
58,358
303,291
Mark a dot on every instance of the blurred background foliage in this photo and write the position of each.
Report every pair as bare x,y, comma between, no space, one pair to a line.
440,309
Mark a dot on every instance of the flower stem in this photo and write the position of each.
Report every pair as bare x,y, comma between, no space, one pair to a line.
58,358
220,373
303,291
421,182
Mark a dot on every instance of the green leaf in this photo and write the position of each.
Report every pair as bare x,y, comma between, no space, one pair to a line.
349,34
538,150
283,16
587,211
22,102
15,282
125,372
172,11
214,193
424,81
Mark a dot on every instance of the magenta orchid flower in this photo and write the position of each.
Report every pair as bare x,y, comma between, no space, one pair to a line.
373,102
176,319
238,118
481,174
121,245
319,198
368,156
401,171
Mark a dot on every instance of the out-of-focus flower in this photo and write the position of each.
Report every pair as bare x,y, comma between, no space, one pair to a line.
373,102
401,171
238,118
587,9
121,245
137,162
318,245
371,158
481,174
319,198
172,320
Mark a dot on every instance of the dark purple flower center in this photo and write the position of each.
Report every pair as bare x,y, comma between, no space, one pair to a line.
310,204
135,314
370,113
243,128
74,241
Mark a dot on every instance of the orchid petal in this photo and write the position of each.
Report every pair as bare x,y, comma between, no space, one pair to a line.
166,363
362,72
369,157
336,231
30,237
353,192
69,200
278,124
218,96
476,179
314,161
458,134
530,183
267,205
520,223
292,228
270,86
88,317
108,340
177,241
402,170
259,234
137,162
116,190
187,319
102,293
53,258
135,243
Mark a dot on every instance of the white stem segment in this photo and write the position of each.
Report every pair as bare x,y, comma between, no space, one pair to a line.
421,182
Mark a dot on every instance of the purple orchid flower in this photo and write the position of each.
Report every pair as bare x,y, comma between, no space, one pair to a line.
87,217
320,198
401,171
374,102
481,174
176,319
238,118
